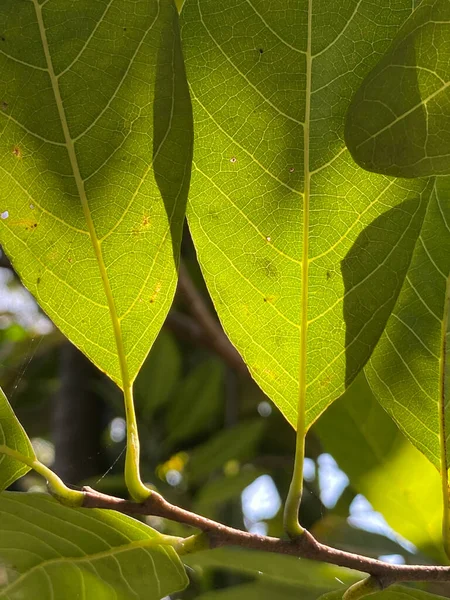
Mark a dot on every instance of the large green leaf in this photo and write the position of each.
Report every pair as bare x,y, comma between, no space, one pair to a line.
399,120
12,435
372,451
274,188
236,443
49,551
410,368
396,592
198,405
95,147
299,575
259,591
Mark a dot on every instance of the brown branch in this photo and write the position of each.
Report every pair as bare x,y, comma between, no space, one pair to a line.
305,547
210,333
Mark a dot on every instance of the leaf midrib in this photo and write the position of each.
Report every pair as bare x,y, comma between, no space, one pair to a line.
84,203
305,241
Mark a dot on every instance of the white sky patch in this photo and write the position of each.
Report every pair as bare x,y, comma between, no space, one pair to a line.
260,500
16,301
332,480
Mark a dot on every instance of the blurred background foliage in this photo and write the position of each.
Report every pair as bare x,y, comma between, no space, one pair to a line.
214,444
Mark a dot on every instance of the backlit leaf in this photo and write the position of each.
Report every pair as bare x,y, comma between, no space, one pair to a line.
95,145
413,506
410,367
291,235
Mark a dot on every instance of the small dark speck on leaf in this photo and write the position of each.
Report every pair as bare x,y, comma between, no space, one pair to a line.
328,275
124,28
233,159
291,170
4,106
38,280
261,50
3,38
17,152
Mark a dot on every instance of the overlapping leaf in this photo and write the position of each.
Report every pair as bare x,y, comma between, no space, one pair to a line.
12,435
95,147
410,368
399,120
48,549
291,235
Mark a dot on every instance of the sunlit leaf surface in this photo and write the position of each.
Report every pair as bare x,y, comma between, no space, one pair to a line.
303,252
371,450
95,145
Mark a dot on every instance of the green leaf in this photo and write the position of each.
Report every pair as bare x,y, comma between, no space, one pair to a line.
50,551
12,435
409,371
199,401
236,443
215,493
399,120
269,569
413,506
396,592
259,591
159,375
274,187
95,148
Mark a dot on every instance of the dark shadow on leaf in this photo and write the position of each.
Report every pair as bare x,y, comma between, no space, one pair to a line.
387,127
172,113
373,272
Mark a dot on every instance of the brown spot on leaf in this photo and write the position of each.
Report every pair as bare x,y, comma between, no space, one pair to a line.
4,105
17,152
155,293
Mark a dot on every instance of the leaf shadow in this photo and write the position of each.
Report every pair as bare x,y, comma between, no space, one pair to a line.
373,273
172,113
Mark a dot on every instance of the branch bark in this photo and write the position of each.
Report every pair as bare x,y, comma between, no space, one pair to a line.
306,546
210,331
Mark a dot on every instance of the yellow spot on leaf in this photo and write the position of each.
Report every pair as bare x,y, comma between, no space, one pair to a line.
155,293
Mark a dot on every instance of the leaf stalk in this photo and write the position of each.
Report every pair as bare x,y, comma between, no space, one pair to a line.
57,488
